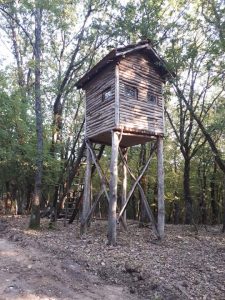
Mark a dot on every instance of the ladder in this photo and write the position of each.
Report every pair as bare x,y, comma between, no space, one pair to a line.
69,192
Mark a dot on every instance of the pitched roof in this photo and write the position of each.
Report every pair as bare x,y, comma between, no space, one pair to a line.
117,53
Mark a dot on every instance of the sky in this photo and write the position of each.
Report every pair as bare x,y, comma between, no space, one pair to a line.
6,56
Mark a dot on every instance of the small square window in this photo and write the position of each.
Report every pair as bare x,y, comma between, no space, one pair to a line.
107,94
131,91
152,98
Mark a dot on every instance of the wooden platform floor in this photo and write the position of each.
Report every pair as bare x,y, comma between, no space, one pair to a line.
128,138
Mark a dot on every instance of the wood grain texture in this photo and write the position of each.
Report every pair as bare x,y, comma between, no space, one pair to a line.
123,111
113,189
87,194
140,114
160,176
100,115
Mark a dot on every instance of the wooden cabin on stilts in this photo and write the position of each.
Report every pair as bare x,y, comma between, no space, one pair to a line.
124,107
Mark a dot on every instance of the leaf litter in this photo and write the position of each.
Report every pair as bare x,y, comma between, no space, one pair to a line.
182,266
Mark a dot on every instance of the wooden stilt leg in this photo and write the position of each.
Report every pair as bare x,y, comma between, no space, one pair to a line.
161,205
124,187
143,199
87,193
136,181
113,190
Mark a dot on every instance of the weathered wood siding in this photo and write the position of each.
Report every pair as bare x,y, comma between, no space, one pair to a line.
100,116
140,114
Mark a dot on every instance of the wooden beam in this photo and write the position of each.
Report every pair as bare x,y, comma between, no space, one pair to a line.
87,193
117,96
124,185
136,182
79,202
132,50
143,199
88,217
112,220
149,211
160,171
104,181
99,170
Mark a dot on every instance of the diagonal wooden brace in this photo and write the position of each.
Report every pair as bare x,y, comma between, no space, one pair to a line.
136,181
88,218
143,199
149,211
99,169
103,178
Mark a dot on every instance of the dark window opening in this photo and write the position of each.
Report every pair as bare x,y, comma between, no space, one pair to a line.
152,98
107,94
131,91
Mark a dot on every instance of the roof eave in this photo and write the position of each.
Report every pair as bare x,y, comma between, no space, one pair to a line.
116,54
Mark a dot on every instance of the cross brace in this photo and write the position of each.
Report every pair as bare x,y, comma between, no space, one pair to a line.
104,184
143,197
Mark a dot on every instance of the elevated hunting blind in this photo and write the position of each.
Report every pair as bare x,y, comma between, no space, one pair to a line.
124,107
124,93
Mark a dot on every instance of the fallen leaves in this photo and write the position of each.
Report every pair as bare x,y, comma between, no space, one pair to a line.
179,267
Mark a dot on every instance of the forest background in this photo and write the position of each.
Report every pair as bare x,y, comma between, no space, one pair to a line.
53,43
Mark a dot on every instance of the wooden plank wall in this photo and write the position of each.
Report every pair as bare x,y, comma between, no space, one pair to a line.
137,71
100,116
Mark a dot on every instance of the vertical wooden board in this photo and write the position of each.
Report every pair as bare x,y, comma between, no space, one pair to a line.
98,112
117,96
138,115
137,71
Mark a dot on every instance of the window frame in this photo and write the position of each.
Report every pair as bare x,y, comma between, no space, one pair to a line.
150,95
104,92
135,89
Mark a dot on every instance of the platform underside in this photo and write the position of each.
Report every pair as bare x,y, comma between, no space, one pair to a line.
129,137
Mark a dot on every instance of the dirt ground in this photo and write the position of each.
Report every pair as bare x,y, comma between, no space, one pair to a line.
59,264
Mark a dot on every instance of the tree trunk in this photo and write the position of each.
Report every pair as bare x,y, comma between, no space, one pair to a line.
223,229
28,198
203,200
214,206
217,155
187,191
176,209
35,211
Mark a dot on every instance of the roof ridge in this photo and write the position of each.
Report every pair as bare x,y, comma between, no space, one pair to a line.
116,53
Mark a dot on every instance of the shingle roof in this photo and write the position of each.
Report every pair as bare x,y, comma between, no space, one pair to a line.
117,53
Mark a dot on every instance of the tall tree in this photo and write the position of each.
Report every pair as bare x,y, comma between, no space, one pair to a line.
35,212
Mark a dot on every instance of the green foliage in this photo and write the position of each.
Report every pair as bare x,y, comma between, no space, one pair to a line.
190,35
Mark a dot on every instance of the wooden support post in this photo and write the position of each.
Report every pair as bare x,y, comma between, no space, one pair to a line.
97,200
99,170
113,189
136,182
143,199
160,171
87,193
148,211
124,187
103,178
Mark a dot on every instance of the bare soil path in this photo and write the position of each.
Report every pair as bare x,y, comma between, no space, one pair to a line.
29,273
59,264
